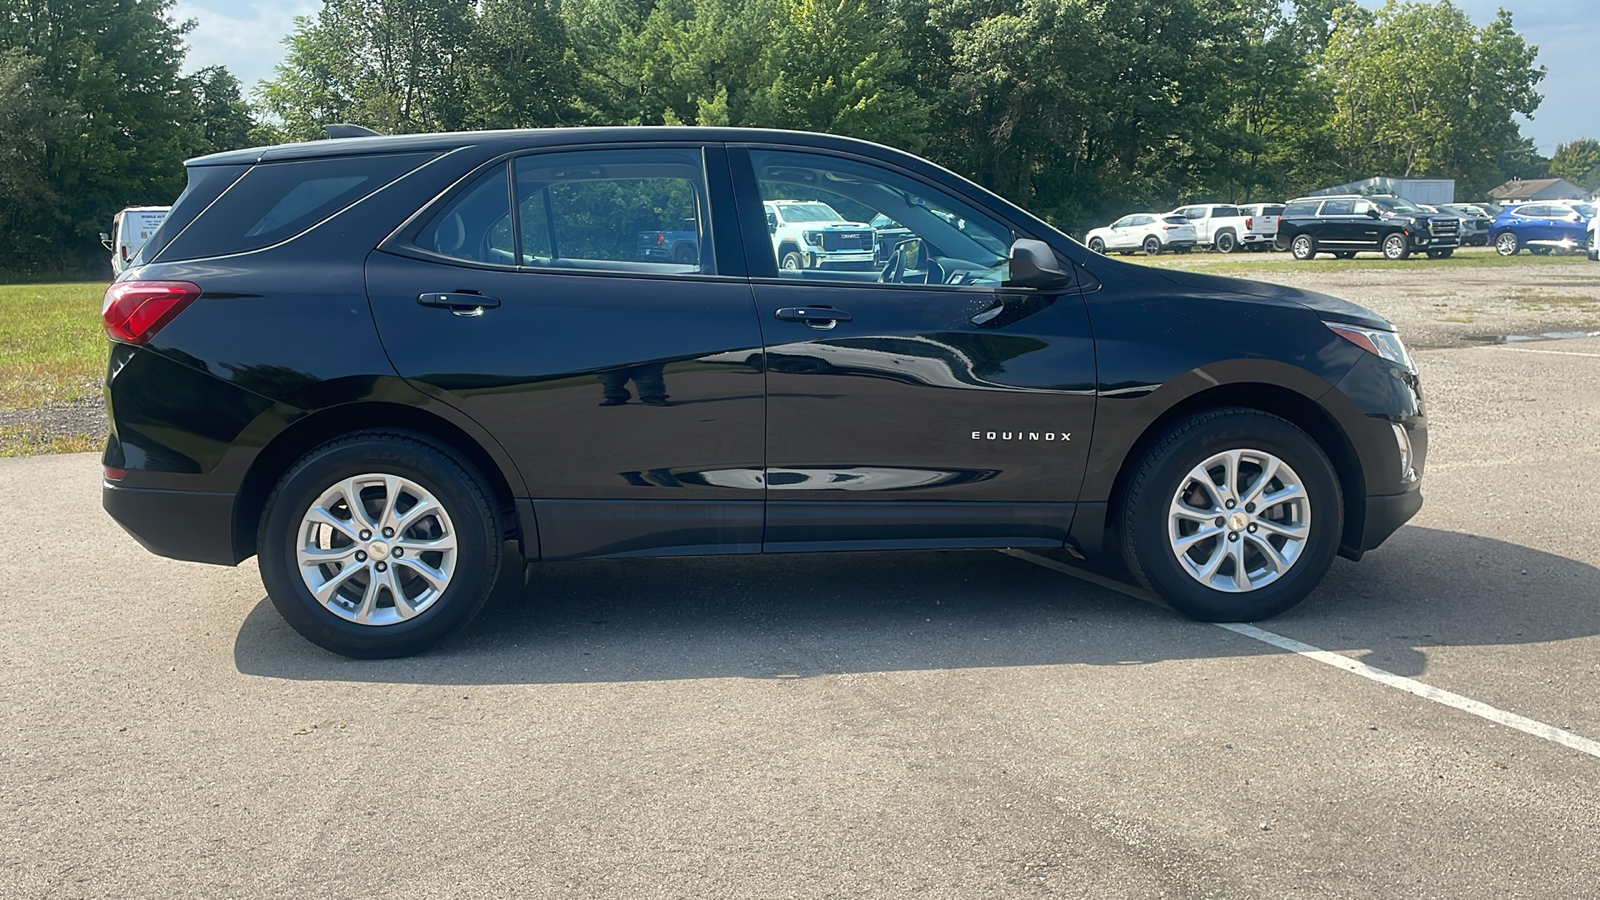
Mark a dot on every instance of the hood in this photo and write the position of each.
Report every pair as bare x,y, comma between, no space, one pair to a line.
1330,309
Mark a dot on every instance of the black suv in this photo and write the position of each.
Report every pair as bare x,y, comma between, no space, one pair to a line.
1346,224
388,366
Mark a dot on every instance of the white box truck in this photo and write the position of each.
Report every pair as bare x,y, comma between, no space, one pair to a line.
130,228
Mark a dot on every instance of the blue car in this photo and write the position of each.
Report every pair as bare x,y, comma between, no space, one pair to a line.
1541,227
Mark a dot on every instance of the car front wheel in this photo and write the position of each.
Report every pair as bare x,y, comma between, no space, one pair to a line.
1303,247
1234,515
379,544
1594,252
1441,254
1395,247
793,261
1507,244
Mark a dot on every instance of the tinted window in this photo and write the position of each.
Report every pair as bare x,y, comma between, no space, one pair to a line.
1123,222
206,183
274,202
615,210
940,239
476,225
1272,210
1339,208
1225,211
1300,209
1531,212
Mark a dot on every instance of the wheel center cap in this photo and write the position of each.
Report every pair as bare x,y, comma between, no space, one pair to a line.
1238,521
378,550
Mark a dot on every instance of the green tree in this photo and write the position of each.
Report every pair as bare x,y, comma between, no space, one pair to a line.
33,122
223,115
521,69
1578,162
1418,90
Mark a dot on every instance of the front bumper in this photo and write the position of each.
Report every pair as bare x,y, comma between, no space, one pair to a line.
852,259
1384,516
190,525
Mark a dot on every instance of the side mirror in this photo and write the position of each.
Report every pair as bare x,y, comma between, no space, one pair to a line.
772,227
1374,214
105,240
1034,264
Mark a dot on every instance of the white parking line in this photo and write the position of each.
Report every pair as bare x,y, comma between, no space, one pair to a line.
1551,352
1355,667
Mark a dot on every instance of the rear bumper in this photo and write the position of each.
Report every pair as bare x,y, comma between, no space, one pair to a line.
187,525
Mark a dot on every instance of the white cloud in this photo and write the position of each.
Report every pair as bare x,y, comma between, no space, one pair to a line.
244,35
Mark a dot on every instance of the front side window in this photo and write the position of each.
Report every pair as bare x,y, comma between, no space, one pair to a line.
636,210
845,220
1123,222
1361,208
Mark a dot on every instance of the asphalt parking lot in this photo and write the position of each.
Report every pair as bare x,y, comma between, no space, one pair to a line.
852,725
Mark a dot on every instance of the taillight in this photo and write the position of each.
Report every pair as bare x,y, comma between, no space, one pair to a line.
1250,223
135,310
660,239
124,252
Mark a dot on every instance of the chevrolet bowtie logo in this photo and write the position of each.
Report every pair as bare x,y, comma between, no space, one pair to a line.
1022,435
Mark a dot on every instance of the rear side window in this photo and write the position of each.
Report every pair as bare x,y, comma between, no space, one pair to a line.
206,184
1272,210
1225,212
1339,208
1300,209
274,202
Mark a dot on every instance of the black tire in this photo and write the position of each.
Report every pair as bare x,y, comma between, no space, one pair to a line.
1098,246
793,261
1227,242
457,487
1539,251
1344,254
1143,523
1396,247
1303,247
1506,243
686,255
1152,246
1441,254
1594,252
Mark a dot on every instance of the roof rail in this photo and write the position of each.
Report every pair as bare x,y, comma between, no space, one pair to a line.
343,130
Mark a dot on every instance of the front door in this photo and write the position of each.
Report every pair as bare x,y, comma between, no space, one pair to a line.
624,381
923,403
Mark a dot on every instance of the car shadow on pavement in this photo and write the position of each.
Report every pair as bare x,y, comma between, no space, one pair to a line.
814,614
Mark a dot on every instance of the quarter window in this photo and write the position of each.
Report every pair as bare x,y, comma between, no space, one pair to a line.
476,225
639,211
836,219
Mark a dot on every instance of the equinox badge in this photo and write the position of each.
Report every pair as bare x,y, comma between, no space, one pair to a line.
1022,435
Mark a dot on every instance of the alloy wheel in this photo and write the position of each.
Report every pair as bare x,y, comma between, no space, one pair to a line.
1506,244
376,549
1239,520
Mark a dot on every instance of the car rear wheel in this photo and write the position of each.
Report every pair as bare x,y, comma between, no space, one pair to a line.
1395,247
1097,245
1227,242
1233,515
1303,247
1152,246
1441,254
686,256
1345,254
1507,244
379,544
1539,251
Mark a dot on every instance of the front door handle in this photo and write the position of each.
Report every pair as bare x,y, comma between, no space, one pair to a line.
820,317
458,301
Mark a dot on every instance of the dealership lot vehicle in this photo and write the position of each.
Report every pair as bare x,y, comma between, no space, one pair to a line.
457,379
1540,228
811,235
1349,224
1150,233
1260,225
1221,227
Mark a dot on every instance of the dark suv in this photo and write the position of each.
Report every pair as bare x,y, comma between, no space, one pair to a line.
388,366
1347,224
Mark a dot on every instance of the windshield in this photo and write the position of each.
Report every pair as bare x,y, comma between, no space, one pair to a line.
1397,204
808,212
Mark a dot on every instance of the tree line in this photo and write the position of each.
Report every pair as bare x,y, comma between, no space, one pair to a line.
1076,109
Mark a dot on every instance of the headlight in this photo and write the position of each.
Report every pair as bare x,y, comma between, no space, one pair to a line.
814,238
1386,344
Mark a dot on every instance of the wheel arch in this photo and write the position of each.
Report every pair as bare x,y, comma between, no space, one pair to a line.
311,431
1289,404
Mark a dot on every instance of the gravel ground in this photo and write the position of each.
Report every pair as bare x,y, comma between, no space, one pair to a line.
87,416
1442,303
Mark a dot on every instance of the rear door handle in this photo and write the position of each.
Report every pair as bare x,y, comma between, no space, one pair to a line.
459,301
823,317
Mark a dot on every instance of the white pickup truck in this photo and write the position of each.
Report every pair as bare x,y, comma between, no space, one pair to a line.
1222,227
809,234
1261,225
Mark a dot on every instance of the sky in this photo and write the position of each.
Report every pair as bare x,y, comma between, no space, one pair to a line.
247,37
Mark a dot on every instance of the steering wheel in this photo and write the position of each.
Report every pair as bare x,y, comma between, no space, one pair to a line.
894,271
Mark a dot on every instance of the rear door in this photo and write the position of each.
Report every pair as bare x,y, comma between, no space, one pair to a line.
926,404
628,389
